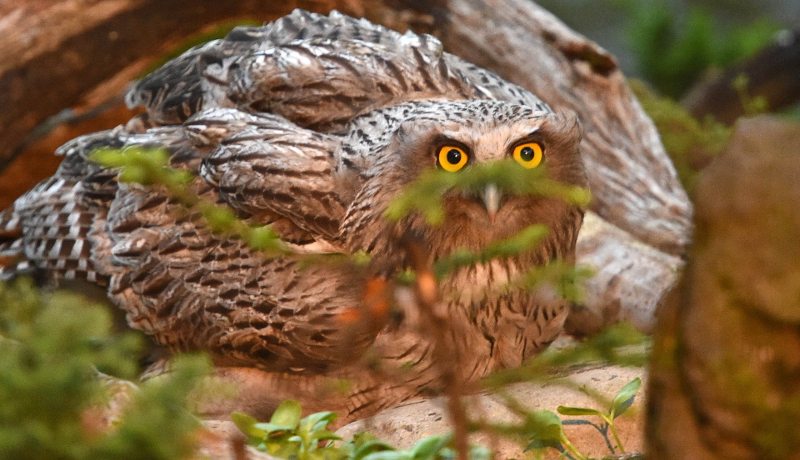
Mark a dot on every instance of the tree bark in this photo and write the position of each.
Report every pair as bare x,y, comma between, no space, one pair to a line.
57,52
771,74
726,352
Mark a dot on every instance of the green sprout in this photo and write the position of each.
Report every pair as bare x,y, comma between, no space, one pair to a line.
287,435
546,431
567,279
620,344
525,240
549,431
622,402
53,348
147,166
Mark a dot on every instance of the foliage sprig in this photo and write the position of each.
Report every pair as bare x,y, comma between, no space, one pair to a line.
51,348
425,194
148,166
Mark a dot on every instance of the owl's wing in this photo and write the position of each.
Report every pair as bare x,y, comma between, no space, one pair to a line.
268,167
171,275
12,250
192,289
60,222
200,78
318,72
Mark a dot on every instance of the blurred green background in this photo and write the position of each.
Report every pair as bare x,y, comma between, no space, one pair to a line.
671,43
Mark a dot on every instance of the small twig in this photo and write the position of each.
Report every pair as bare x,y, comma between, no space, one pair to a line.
445,357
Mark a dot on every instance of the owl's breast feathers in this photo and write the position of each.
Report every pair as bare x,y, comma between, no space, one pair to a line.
308,124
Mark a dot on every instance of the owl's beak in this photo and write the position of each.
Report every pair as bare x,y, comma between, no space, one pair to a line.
491,200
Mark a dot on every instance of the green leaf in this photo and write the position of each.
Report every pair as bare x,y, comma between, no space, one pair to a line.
525,240
317,421
427,448
327,453
537,444
323,435
334,453
624,398
567,410
368,447
284,449
317,417
219,219
272,429
389,455
262,238
246,425
544,425
133,174
287,415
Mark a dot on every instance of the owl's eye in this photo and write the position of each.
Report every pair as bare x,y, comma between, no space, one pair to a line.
529,155
452,158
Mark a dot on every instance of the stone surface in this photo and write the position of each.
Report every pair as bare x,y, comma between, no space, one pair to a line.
221,440
404,425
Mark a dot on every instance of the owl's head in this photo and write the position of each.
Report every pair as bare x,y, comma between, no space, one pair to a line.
453,137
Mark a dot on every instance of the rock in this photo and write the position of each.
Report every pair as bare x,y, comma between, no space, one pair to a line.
726,361
402,426
222,440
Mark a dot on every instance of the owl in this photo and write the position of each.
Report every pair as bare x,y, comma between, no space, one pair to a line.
313,125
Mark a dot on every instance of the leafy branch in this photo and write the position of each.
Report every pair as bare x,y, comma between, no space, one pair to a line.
620,404
287,435
525,240
147,166
53,397
620,344
425,194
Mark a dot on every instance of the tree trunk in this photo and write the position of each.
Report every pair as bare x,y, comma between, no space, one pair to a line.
770,74
58,53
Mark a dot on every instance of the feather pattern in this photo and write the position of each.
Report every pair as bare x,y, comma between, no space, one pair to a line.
312,124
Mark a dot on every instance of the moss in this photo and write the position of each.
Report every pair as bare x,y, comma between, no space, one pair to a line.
51,347
690,143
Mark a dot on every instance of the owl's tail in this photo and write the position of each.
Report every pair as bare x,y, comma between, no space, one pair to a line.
13,262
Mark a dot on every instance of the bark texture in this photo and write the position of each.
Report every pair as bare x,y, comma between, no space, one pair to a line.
726,359
771,74
57,52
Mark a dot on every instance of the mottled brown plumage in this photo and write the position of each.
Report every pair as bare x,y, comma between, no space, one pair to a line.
312,124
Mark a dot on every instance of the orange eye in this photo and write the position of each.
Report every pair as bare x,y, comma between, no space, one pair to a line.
452,158
529,155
